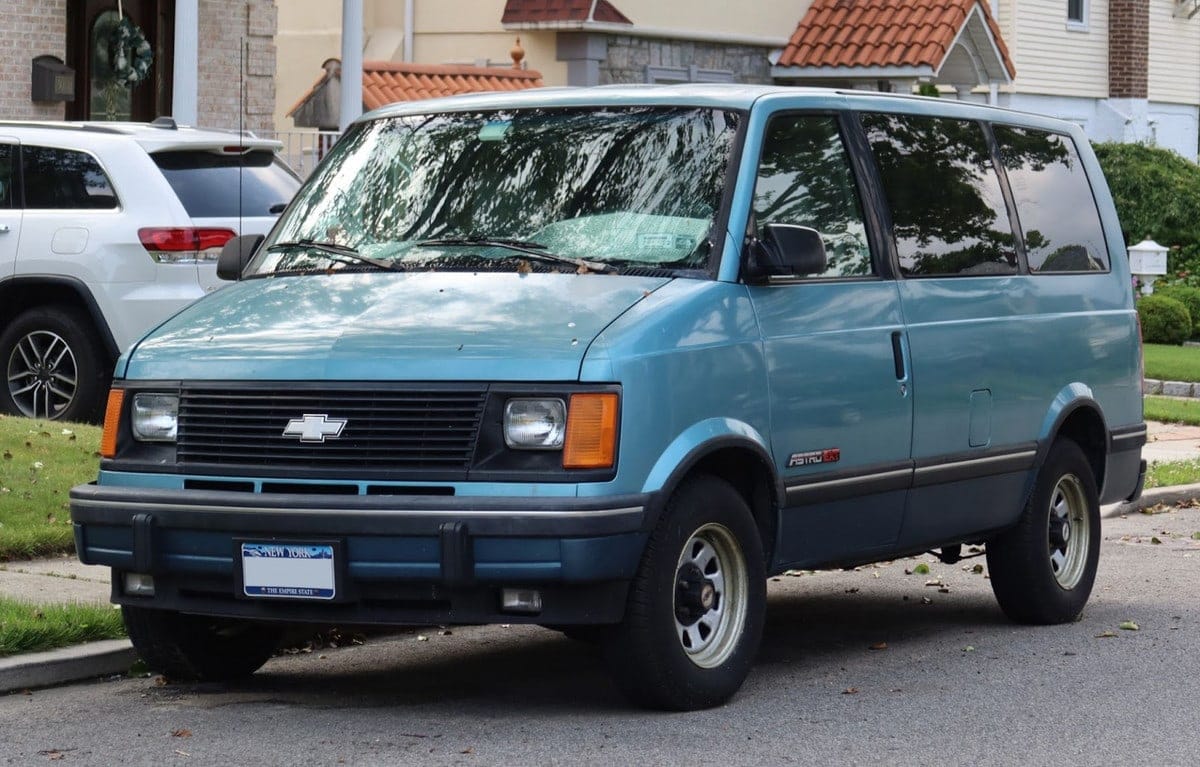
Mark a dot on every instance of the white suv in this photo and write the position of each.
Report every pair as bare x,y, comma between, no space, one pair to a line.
106,230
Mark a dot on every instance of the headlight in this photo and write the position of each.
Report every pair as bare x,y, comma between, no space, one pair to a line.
155,417
535,424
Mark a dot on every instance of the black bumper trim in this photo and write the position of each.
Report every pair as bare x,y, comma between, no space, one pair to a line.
359,514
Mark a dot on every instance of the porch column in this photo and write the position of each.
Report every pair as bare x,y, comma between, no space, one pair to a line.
185,81
352,61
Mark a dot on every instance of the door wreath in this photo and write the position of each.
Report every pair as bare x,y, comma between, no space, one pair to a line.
130,55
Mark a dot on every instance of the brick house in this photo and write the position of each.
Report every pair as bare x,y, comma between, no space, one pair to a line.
213,64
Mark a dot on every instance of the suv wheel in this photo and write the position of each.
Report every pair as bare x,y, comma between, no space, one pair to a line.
54,365
697,604
197,648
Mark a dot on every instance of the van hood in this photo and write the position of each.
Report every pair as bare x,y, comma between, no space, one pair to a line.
424,326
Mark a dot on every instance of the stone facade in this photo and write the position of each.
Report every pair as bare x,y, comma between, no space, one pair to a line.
224,26
1128,49
34,27
30,28
630,60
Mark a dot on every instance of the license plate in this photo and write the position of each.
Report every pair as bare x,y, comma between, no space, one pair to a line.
288,571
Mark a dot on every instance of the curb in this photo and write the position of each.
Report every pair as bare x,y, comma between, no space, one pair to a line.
67,664
1185,389
1169,495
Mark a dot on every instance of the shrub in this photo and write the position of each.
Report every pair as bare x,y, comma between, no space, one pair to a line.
1157,192
1164,320
1189,297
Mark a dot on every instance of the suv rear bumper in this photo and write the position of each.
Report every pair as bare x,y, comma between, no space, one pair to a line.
404,559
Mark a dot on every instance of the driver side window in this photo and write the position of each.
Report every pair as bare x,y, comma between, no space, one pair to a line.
804,178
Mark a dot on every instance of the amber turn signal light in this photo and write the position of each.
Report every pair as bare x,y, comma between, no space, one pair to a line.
591,441
112,420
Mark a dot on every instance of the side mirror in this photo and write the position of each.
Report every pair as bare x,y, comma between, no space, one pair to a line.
786,250
236,254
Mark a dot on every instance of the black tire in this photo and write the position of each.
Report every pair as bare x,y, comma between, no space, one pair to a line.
646,653
196,648
1039,573
71,352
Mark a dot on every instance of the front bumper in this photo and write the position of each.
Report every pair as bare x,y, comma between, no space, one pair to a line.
405,559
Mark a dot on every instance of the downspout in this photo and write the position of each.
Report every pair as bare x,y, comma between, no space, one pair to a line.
408,30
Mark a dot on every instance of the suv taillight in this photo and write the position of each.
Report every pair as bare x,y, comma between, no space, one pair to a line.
180,245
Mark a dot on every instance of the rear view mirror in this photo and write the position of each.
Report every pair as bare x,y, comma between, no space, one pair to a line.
786,250
236,254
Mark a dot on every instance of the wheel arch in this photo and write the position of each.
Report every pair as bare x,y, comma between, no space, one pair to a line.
23,292
1078,417
737,458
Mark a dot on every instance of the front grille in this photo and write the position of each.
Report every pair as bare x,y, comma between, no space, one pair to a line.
388,430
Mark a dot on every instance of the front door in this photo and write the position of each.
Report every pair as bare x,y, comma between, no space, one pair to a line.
10,208
90,28
841,410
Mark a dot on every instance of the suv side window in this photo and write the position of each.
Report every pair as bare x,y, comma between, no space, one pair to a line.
804,178
63,179
7,177
1054,201
948,210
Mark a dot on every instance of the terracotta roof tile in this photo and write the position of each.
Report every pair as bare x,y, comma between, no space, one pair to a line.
872,33
535,11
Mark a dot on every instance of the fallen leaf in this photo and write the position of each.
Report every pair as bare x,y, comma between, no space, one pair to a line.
926,601
467,751
1129,626
1107,633
943,590
524,267
422,638
181,733
977,569
1196,536
850,691
879,646
853,590
969,648
7,456
1154,539
934,582
182,753
921,569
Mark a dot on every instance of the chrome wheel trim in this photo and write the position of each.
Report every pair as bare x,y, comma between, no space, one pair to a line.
1069,531
711,638
43,377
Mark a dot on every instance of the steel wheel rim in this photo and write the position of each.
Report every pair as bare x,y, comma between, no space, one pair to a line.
43,377
709,639
1069,532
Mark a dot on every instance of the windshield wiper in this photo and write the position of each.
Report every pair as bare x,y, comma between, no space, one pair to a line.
535,250
344,253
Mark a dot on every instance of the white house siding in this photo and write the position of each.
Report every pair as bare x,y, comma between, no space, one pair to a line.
1051,59
1174,55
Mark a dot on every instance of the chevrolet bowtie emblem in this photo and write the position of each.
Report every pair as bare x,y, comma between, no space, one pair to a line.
316,427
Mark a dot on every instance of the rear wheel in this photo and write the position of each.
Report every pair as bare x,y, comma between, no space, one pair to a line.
197,648
54,364
697,604
1043,569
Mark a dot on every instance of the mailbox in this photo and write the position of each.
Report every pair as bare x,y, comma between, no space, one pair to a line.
52,80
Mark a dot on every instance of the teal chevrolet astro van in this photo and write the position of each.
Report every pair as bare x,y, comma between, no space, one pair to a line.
605,359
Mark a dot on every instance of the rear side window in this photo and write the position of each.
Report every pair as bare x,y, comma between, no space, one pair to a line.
63,179
7,177
1054,201
948,210
207,182
804,178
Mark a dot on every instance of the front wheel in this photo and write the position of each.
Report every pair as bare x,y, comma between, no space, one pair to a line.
1042,570
697,604
197,648
55,366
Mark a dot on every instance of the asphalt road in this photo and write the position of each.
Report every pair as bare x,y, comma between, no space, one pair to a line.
956,684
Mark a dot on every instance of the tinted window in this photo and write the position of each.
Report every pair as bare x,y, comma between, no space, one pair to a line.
948,211
6,176
207,182
804,178
57,179
1054,201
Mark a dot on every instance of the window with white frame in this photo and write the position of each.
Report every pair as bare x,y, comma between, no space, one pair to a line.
1077,15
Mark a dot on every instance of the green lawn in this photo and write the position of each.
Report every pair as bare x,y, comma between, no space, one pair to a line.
39,463
1172,363
1171,473
33,628
1170,410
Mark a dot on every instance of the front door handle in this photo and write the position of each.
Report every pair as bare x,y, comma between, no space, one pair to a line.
4,229
901,362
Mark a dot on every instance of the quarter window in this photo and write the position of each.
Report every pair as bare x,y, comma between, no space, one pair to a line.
57,179
804,178
948,210
1054,201
6,177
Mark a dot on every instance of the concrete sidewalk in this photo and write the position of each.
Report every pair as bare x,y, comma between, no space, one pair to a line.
64,579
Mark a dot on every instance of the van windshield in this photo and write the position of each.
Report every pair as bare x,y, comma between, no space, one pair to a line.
583,190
